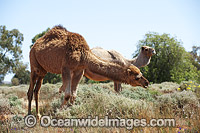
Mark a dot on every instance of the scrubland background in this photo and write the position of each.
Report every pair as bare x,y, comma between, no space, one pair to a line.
165,100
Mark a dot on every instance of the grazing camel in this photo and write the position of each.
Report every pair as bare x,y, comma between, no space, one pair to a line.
141,60
62,52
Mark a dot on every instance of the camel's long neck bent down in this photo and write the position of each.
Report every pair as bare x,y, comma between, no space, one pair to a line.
140,61
107,69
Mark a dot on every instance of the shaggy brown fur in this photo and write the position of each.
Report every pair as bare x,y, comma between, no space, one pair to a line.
141,60
63,52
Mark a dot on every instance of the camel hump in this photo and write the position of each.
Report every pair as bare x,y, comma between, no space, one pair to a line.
117,57
102,53
56,33
109,55
97,48
115,53
59,27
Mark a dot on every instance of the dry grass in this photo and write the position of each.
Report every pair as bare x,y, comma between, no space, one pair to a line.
158,101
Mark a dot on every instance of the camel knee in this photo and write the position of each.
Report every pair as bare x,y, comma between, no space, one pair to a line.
67,97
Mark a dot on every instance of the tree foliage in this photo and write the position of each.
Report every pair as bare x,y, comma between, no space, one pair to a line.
38,36
10,50
21,73
49,77
171,63
196,56
15,81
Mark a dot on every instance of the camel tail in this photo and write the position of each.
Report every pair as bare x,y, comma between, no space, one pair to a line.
34,64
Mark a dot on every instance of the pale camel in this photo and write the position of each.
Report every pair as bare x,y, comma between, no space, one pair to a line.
141,60
62,52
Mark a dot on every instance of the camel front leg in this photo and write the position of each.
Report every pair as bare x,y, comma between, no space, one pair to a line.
66,78
77,75
117,87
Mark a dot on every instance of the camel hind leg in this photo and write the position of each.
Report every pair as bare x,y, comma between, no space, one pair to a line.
37,74
33,79
36,90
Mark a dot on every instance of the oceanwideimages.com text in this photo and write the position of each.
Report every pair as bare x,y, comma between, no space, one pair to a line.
47,121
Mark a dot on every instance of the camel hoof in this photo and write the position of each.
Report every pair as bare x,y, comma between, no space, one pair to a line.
72,99
38,116
63,106
69,104
117,91
60,91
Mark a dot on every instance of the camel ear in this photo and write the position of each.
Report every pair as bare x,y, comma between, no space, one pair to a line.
129,71
143,48
139,76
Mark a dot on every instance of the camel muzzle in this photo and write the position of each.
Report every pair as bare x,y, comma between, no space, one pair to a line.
153,52
145,84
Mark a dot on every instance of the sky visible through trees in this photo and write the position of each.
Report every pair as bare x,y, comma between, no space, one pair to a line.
111,24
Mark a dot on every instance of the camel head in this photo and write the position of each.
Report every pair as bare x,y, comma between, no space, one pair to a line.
148,51
135,77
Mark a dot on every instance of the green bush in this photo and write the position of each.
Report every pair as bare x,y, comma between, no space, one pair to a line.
184,103
15,81
189,86
139,93
14,101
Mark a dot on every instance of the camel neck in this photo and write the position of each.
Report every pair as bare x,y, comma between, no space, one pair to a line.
140,61
110,70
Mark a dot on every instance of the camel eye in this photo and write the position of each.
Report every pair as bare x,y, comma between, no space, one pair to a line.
137,78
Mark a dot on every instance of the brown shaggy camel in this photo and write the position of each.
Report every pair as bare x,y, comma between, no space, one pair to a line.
62,52
141,60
